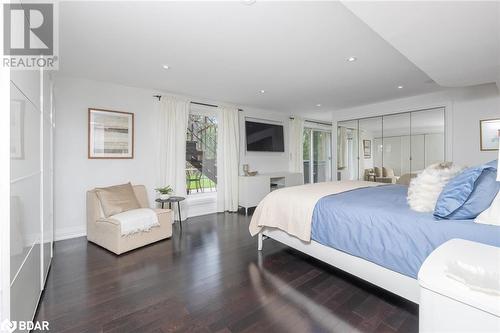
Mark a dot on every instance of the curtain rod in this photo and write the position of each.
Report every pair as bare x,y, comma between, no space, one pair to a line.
316,122
197,103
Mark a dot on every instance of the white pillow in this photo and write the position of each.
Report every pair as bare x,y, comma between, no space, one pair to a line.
492,214
425,189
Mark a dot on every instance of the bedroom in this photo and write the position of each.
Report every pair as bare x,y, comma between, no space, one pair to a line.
133,170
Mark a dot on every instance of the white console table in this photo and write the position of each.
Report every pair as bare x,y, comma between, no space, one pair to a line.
252,189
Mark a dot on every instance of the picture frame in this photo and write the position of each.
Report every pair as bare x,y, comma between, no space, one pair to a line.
17,129
367,149
110,134
489,139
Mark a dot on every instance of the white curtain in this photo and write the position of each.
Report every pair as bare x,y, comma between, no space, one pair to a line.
296,145
228,148
173,122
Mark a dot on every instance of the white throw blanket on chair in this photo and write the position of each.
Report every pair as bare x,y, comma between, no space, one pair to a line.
136,220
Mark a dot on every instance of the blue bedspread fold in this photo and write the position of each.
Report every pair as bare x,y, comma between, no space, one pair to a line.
377,224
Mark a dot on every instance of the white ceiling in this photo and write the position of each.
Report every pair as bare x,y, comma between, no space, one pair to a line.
229,51
457,43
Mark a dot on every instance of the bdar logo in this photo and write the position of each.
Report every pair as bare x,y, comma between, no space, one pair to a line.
8,326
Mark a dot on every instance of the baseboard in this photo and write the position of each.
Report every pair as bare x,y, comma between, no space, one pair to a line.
196,208
201,204
68,233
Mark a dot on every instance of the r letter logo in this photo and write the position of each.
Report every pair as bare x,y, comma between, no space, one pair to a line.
28,29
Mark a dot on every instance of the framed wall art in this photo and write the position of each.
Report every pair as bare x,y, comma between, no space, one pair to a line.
110,134
367,149
489,134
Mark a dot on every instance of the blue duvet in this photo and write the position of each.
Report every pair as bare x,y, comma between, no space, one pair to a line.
377,224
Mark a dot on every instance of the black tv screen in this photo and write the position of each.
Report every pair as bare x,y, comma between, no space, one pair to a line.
264,137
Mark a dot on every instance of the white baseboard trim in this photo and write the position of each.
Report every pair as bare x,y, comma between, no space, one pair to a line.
200,204
68,233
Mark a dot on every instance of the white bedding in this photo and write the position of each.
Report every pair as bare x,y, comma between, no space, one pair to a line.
136,220
290,209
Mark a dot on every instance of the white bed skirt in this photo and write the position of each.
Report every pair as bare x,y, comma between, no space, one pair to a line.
382,277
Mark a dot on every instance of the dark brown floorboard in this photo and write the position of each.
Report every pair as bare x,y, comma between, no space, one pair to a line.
211,278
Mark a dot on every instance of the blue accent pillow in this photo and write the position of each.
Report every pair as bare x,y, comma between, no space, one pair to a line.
468,194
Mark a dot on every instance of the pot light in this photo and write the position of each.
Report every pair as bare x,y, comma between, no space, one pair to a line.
165,66
318,105
400,87
248,2
351,59
262,91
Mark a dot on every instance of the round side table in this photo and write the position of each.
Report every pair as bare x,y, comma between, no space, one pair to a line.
170,201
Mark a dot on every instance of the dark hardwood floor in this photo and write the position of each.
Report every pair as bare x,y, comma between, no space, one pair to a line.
211,278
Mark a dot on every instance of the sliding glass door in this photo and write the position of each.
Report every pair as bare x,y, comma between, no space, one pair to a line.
201,153
317,156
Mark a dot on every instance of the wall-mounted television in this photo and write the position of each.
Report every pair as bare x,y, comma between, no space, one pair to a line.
264,137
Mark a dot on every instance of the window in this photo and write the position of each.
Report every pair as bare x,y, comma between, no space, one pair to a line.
317,155
201,153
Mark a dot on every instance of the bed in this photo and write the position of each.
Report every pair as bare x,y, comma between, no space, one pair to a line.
363,228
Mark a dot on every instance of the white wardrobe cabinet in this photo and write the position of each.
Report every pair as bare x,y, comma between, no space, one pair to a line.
31,179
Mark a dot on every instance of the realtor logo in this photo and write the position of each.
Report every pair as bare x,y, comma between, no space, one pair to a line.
29,35
28,29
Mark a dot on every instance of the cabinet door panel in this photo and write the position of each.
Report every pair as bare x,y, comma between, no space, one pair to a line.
370,133
395,156
25,290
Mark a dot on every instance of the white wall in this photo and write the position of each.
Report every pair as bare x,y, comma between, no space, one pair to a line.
75,173
464,108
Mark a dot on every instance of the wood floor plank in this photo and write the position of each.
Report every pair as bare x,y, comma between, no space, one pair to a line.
211,278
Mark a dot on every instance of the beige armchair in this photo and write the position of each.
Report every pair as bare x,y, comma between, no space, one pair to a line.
106,232
387,176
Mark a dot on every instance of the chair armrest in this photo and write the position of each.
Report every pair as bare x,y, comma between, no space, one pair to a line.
160,211
165,216
108,220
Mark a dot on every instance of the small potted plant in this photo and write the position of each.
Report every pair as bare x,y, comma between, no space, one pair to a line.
164,192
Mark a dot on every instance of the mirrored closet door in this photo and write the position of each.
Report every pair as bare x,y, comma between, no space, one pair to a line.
428,140
370,135
390,148
396,147
31,190
347,150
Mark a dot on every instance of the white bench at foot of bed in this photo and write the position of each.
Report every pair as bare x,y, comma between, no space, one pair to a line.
382,277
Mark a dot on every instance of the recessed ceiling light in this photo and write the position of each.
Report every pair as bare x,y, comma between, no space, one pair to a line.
165,66
318,105
248,2
262,91
400,87
351,59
